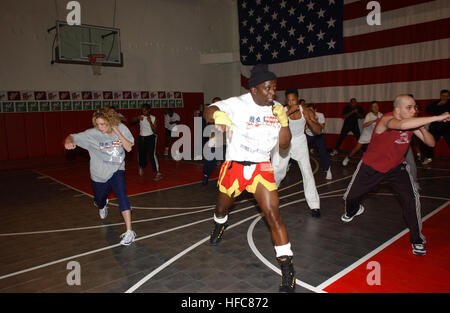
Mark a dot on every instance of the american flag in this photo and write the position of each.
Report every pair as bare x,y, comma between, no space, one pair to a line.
408,53
280,31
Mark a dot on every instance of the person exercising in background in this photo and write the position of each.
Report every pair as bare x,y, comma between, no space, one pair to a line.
254,124
170,121
319,140
351,113
299,117
147,141
384,160
368,127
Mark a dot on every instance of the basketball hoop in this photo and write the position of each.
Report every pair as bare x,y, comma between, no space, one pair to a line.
96,63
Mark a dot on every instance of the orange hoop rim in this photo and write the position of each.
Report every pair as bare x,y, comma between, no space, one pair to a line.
93,57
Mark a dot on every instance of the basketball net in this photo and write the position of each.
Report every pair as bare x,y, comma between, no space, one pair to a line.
96,63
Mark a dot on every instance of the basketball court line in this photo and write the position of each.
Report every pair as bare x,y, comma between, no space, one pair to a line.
148,236
266,262
137,239
198,243
192,247
348,269
117,245
208,207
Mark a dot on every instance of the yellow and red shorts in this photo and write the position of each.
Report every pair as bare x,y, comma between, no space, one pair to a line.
232,180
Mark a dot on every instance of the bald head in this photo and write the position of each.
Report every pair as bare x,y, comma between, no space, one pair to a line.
404,107
403,100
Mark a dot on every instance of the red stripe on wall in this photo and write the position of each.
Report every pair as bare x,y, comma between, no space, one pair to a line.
428,31
428,70
334,109
358,9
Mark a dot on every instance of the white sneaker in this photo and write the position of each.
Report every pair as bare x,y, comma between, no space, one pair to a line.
345,162
127,237
347,219
103,212
329,175
427,161
419,249
334,152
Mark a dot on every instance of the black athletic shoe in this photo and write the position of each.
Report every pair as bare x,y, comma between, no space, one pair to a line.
287,284
205,180
315,212
419,249
217,233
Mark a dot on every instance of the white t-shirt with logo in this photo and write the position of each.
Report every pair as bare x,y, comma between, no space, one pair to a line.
145,128
255,129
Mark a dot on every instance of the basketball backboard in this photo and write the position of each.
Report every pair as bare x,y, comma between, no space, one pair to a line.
76,42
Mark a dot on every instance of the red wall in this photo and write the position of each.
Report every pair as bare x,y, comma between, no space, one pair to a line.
39,134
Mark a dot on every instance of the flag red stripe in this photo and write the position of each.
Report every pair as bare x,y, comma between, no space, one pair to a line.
358,9
436,69
334,109
428,31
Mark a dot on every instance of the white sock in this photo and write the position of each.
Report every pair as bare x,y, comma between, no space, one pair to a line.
220,220
284,250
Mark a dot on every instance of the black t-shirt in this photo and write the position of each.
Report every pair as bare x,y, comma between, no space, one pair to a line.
353,118
435,108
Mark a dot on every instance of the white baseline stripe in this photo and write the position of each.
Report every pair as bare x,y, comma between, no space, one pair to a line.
374,252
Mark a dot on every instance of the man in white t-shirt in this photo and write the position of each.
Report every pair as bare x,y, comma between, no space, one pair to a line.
170,121
147,141
254,123
368,127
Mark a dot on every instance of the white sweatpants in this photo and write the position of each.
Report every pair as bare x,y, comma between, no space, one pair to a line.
298,150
